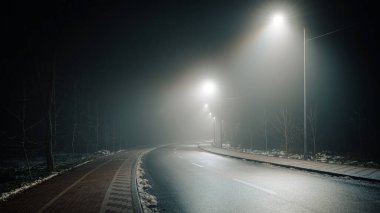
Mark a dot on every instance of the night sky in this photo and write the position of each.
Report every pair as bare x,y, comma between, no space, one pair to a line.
133,64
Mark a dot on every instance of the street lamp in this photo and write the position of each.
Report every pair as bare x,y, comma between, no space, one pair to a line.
209,88
278,21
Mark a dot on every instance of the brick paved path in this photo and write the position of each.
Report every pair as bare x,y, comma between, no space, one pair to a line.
103,185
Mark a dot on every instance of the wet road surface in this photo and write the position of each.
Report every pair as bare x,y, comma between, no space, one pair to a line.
186,179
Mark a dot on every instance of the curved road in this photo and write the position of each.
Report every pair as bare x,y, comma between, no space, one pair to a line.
186,179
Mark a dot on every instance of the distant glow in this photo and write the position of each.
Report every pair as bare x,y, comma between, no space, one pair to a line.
209,88
210,114
278,19
214,118
206,106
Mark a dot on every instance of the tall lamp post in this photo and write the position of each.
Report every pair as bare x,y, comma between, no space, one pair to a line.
277,20
304,98
209,90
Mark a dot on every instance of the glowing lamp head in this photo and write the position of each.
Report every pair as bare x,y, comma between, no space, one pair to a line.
278,19
209,88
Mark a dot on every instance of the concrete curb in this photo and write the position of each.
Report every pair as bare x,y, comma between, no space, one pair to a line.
294,167
135,194
137,206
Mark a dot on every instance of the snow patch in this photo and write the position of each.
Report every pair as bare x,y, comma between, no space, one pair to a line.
6,195
103,152
64,163
148,201
324,156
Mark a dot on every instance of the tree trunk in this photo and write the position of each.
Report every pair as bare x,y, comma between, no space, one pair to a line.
24,131
265,131
51,124
251,142
89,125
312,116
49,142
74,137
285,117
120,135
97,126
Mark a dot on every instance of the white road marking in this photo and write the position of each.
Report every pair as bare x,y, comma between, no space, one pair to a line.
256,187
195,164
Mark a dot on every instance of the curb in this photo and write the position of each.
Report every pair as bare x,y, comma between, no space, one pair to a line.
135,194
137,206
295,167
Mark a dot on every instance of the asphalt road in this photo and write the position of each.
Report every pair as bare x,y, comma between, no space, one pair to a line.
186,179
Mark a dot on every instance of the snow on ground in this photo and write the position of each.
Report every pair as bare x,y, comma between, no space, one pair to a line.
6,195
324,156
148,201
15,178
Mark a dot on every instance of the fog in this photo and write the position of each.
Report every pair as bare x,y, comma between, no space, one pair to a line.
127,74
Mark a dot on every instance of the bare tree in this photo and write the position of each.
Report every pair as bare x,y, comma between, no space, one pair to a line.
23,139
50,100
23,119
251,137
287,127
97,126
236,134
313,122
89,125
113,134
254,133
105,129
120,133
266,129
359,119
50,141
75,120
